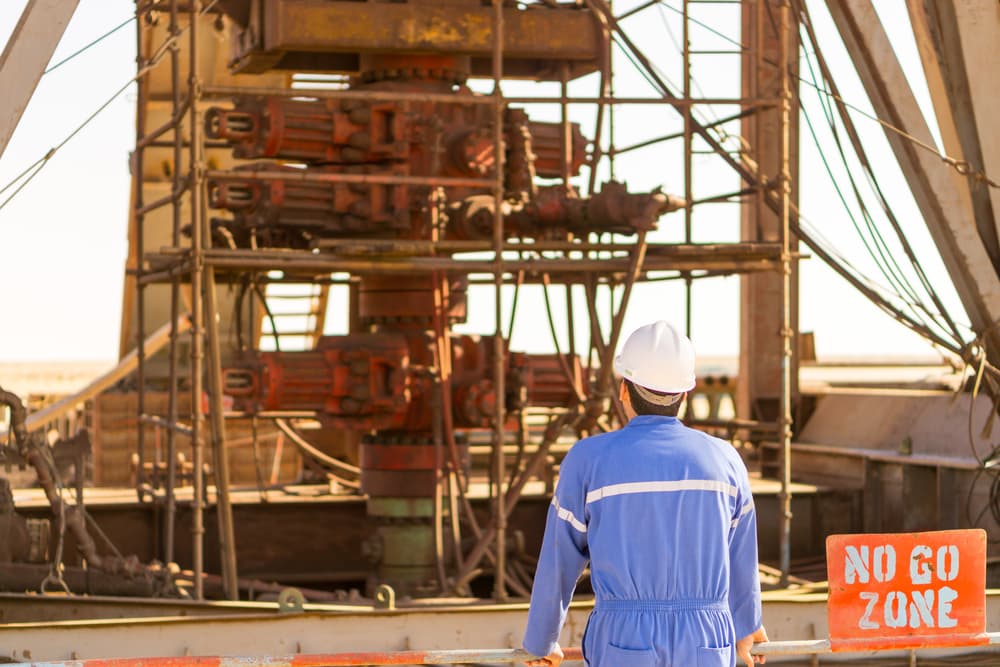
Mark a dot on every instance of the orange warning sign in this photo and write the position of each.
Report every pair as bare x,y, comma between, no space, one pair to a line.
906,590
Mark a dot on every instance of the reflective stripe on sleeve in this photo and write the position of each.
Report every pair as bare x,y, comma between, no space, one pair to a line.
747,508
661,487
568,516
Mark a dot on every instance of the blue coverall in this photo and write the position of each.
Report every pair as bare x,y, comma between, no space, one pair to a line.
664,515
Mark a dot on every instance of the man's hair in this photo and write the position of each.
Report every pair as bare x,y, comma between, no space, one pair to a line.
644,407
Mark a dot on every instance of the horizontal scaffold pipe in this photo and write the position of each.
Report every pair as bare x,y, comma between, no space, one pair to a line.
440,657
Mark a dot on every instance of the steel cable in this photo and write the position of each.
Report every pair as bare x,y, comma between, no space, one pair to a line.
900,287
143,71
870,172
88,46
961,166
886,272
854,276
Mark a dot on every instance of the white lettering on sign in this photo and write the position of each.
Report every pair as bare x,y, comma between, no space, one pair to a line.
895,610
945,597
920,564
866,622
916,609
884,563
920,570
856,564
949,574
921,609
859,566
927,608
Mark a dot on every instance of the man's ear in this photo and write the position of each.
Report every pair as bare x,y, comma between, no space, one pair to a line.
623,393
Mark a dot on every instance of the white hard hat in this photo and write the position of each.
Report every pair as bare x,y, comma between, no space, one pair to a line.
659,357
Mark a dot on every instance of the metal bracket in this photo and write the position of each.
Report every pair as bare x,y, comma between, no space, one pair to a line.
291,601
385,597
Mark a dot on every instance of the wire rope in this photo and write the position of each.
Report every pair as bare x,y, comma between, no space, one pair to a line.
872,178
880,254
149,66
961,166
85,48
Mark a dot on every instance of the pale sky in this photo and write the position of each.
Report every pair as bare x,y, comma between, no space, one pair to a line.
63,238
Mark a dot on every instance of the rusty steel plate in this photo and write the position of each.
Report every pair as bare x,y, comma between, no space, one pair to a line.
331,36
400,457
399,483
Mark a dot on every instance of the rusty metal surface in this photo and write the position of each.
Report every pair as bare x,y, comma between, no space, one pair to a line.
436,165
379,380
717,259
18,542
761,295
413,143
28,540
394,300
288,520
335,36
283,213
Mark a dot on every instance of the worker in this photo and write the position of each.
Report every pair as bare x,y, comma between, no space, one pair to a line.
664,515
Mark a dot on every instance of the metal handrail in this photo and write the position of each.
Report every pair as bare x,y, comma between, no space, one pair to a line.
436,657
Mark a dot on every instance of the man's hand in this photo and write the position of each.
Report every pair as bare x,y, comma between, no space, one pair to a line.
551,660
744,645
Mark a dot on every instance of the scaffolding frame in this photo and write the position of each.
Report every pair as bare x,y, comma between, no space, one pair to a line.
598,264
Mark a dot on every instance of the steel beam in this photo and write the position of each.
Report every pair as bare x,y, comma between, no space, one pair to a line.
303,35
725,257
939,190
762,295
957,42
28,51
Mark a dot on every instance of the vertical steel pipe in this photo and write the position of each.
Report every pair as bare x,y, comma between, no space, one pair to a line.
610,69
438,514
618,316
255,445
220,460
197,328
567,158
454,518
140,288
688,162
170,519
786,289
441,347
757,87
499,388
605,92
216,410
564,127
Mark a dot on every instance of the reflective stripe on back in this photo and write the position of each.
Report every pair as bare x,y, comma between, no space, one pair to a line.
661,487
